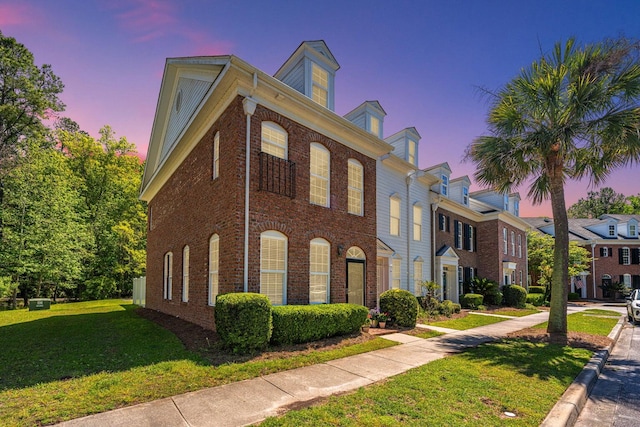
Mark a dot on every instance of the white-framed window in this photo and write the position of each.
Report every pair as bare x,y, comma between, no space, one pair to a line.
444,185
274,140
471,248
319,251
520,247
505,249
417,275
465,196
396,272
520,283
411,153
505,202
167,282
216,156
633,231
319,85
374,125
516,208
460,280
604,252
185,274
626,258
214,264
627,280
417,222
394,215
612,230
319,175
442,222
355,189
273,266
513,244
458,228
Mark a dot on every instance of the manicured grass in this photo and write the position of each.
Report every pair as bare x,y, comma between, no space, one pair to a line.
83,358
427,333
515,312
592,321
473,388
468,322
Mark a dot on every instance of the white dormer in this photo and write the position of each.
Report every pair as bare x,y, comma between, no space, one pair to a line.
405,145
629,229
459,190
311,70
369,116
443,173
514,203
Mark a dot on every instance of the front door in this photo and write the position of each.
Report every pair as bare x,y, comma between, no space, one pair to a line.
355,281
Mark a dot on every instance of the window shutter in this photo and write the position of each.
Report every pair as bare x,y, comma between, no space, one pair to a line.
448,224
635,281
601,251
456,238
619,255
610,252
635,256
621,278
441,222
475,240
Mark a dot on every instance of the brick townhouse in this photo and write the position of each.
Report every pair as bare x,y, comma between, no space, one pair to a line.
614,244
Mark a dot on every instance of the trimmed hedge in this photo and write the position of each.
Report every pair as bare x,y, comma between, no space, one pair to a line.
448,307
535,299
243,321
294,324
472,301
537,289
493,299
573,296
401,305
515,296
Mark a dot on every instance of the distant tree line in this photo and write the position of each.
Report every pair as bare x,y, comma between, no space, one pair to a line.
71,224
604,201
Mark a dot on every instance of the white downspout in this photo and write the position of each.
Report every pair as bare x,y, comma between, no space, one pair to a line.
593,267
409,234
249,106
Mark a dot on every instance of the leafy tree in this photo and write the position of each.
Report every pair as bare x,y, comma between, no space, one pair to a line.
597,203
28,94
633,206
572,114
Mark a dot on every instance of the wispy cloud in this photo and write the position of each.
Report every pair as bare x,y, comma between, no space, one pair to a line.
16,14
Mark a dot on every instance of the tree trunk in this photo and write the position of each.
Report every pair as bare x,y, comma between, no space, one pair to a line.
560,277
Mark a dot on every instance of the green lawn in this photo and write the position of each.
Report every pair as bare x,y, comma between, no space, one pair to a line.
469,321
515,312
83,358
592,321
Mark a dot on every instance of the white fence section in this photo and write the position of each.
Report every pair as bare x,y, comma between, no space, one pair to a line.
139,291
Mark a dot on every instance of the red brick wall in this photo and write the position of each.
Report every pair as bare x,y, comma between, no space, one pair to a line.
191,206
491,251
610,265
467,258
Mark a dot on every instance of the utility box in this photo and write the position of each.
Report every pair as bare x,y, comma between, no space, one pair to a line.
39,304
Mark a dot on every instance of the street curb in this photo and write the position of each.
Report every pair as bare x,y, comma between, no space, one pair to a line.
566,410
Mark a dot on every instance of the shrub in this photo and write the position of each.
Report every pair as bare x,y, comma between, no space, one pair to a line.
574,296
472,301
535,299
494,299
489,289
243,321
515,296
447,308
304,323
537,289
401,305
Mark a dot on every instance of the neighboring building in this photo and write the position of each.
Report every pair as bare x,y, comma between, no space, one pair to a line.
614,245
476,235
294,220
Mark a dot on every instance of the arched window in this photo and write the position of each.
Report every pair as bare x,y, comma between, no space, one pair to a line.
355,252
319,251
273,266
319,167
214,261
185,274
274,140
167,275
355,183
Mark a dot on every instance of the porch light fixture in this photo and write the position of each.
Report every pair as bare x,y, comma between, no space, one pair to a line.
340,250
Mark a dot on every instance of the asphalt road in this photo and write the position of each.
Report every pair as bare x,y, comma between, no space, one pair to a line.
615,399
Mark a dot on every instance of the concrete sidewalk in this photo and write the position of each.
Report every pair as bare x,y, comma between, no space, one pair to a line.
250,401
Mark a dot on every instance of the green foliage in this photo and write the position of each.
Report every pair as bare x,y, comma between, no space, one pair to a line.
613,288
489,289
597,203
472,301
243,321
574,296
515,296
98,288
537,289
448,307
304,323
535,299
429,300
401,305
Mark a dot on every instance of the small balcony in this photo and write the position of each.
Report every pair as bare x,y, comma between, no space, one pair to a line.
277,175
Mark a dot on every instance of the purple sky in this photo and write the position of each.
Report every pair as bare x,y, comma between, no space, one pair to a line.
423,60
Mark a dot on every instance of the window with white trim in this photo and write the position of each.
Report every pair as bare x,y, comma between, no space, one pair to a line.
396,273
520,247
214,264
216,156
458,228
612,230
626,258
465,196
374,125
167,282
460,280
411,154
505,202
185,274
633,231
513,244
505,249
274,140
319,251
417,275
394,215
516,208
273,266
355,189
627,280
417,222
319,85
444,185
319,175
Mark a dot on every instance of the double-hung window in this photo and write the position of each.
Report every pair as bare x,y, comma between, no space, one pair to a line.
513,244
396,273
273,266
417,222
394,215
216,156
274,140
355,184
319,85
214,261
185,274
625,257
319,271
411,155
504,241
319,175
417,275
167,275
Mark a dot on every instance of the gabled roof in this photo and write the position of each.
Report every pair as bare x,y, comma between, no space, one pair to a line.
366,105
316,49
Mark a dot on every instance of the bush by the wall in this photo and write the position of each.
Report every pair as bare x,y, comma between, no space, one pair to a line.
401,305
243,321
537,289
493,298
535,299
472,301
574,296
304,323
447,308
515,296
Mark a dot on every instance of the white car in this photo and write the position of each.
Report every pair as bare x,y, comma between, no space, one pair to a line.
633,306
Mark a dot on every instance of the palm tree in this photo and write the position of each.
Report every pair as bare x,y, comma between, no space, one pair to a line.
572,114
